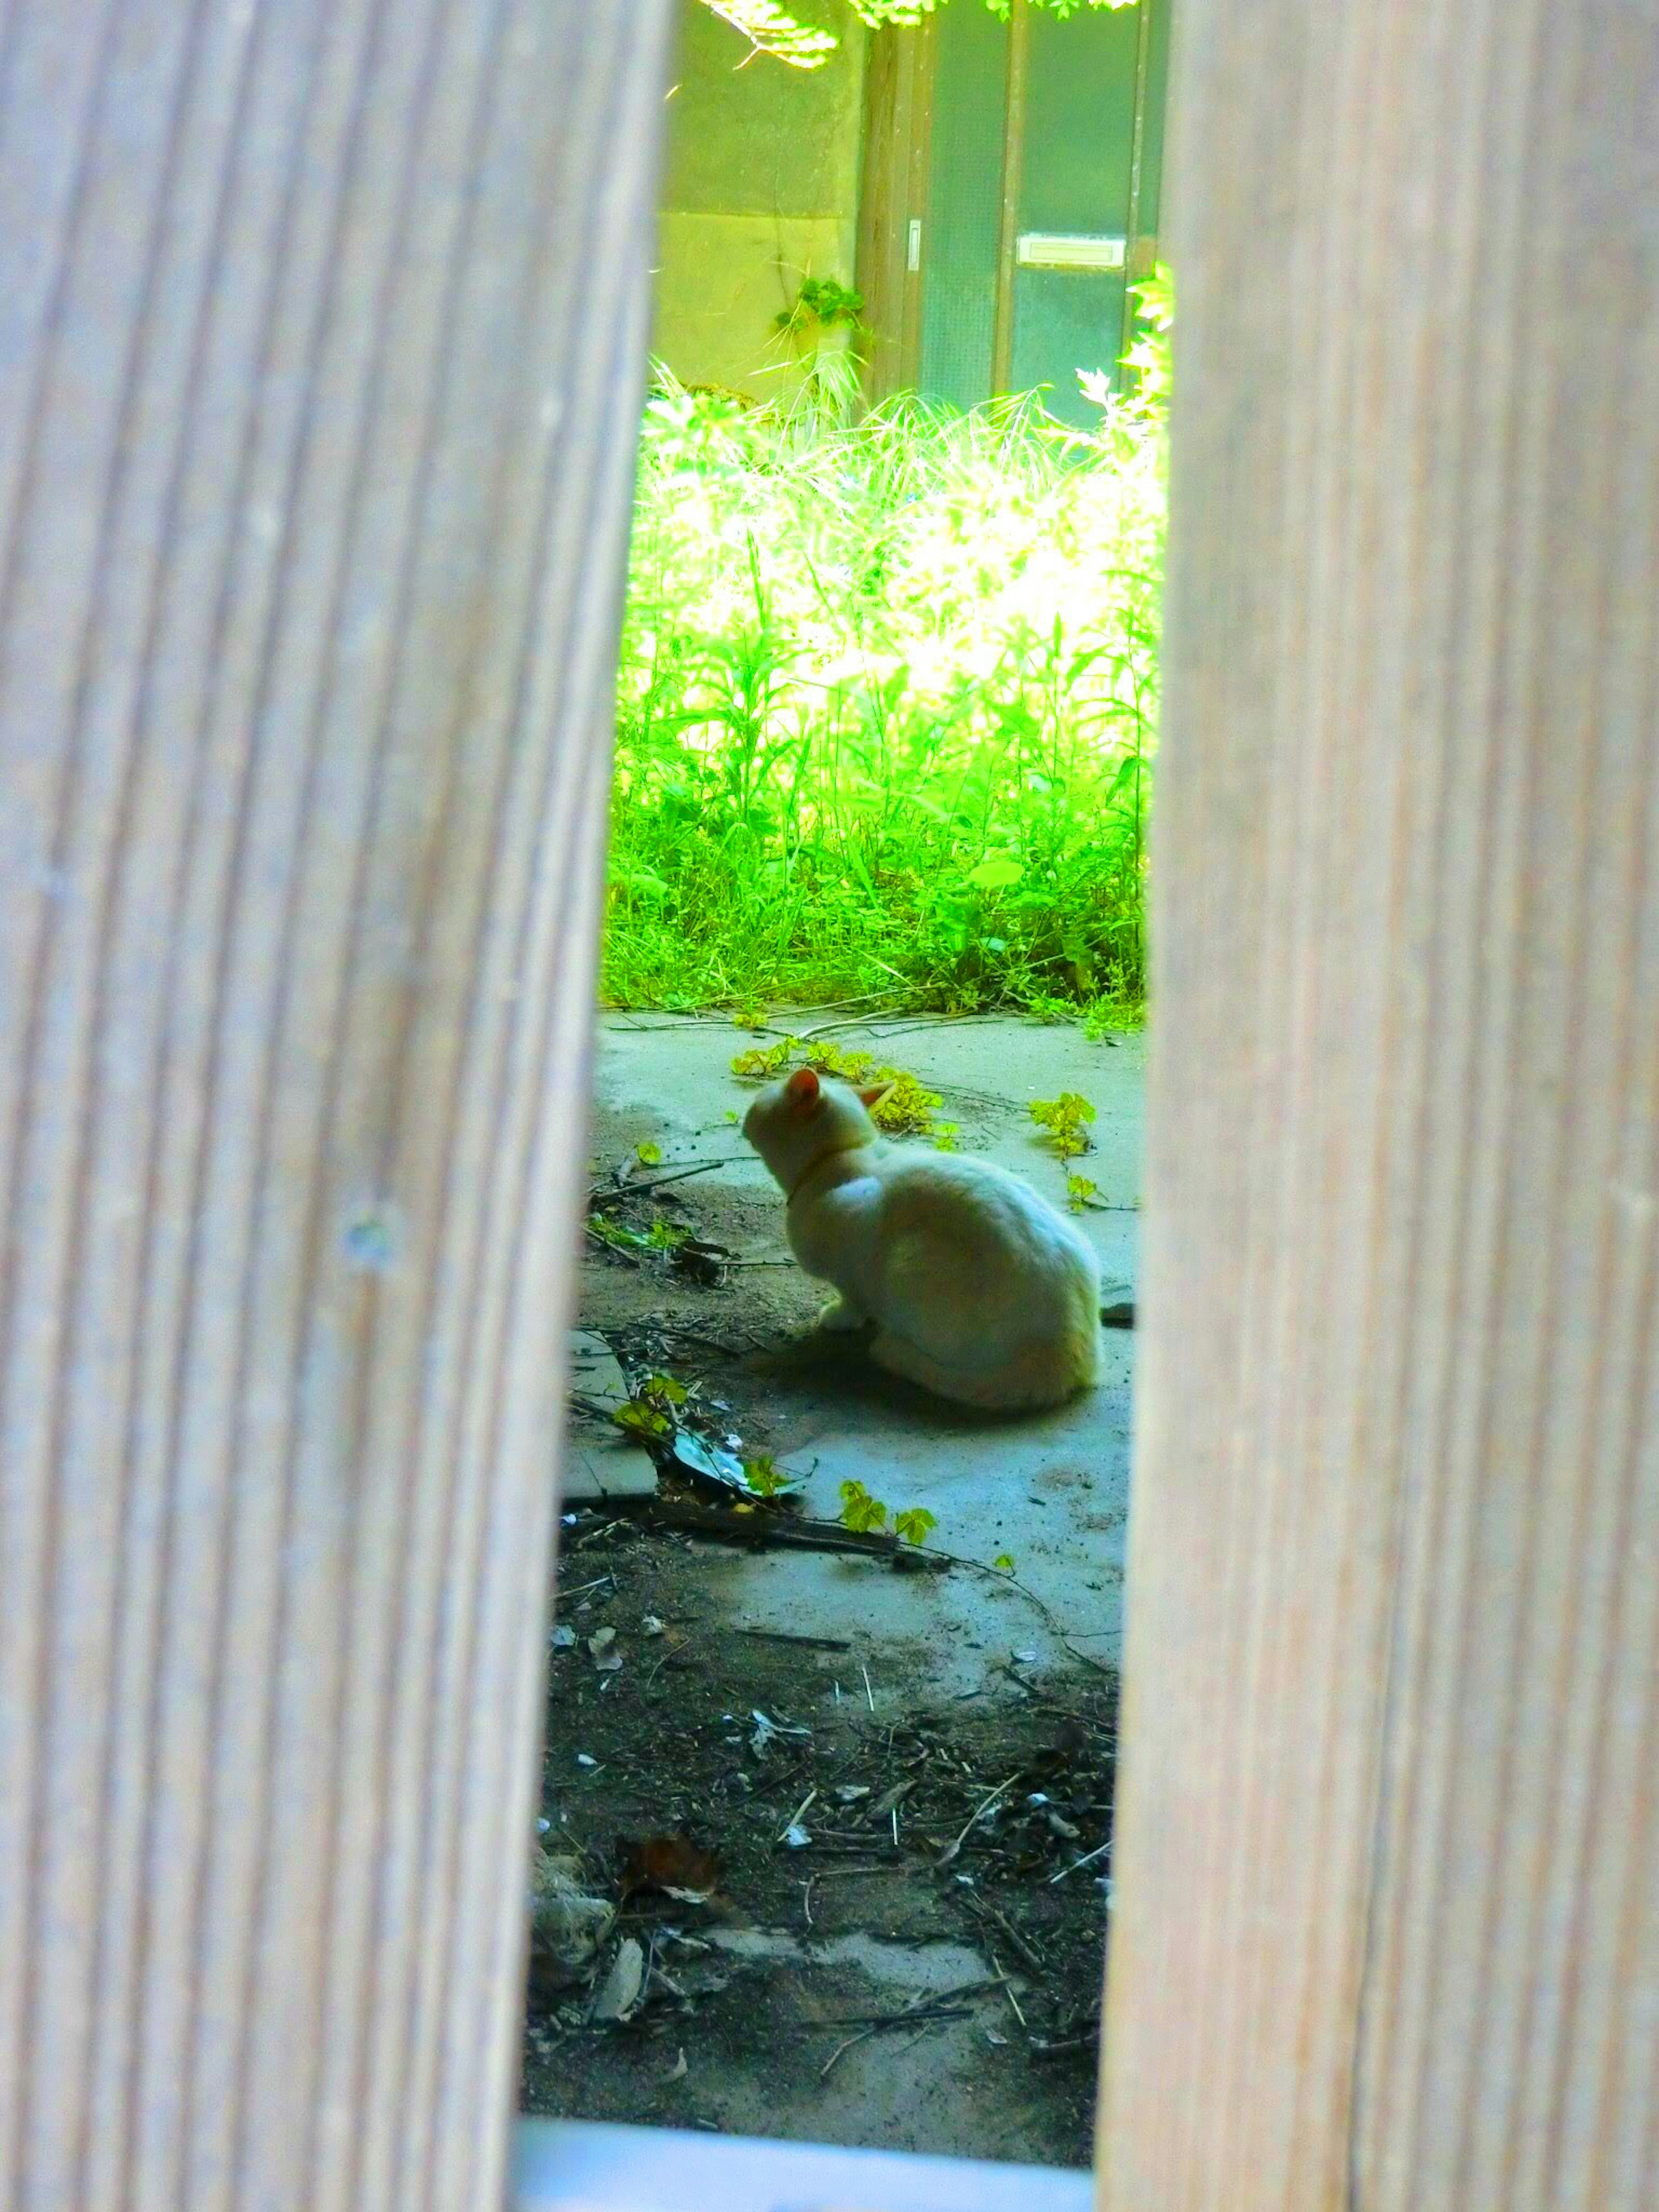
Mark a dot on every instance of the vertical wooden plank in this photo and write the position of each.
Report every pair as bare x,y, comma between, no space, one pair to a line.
1139,247
892,196
919,146
1386,1926
321,356
879,264
1013,168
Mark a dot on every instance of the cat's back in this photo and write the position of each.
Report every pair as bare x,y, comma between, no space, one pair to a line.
978,1205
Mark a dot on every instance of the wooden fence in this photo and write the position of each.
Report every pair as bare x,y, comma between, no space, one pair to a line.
321,330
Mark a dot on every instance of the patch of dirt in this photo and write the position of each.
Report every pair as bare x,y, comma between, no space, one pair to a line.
906,1897
835,1816
758,1302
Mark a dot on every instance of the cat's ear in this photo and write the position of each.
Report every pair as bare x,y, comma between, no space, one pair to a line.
803,1090
873,1094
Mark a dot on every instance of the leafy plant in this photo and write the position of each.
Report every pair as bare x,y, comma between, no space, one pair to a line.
906,1109
1149,358
653,1408
660,1237
859,1511
1065,1120
886,709
823,304
864,1515
1079,1190
772,29
766,1478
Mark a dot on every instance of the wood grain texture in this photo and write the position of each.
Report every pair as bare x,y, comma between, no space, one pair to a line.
897,111
1386,1926
321,328
1013,174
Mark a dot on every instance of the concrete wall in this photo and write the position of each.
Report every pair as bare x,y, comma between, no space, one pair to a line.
761,190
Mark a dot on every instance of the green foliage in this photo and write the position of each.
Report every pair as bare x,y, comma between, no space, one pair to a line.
1149,359
865,1516
830,380
766,1478
660,1237
1004,1563
1079,1190
649,1155
653,1409
886,708
905,1109
821,305
859,1511
1065,1120
772,29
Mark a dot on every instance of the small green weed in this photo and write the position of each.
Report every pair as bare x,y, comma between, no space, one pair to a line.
766,1478
865,1516
661,1236
1065,1121
652,1410
907,1110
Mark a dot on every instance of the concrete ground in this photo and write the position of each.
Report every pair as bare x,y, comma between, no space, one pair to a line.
1050,1490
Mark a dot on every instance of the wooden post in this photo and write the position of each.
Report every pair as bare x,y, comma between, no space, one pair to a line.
323,326
1387,1924
1013,171
893,202
1139,248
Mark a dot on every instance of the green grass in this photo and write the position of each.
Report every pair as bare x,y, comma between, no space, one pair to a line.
886,709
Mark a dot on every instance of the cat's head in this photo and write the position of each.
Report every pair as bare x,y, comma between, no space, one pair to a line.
793,1123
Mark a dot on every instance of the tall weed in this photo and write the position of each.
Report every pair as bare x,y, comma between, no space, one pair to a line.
886,707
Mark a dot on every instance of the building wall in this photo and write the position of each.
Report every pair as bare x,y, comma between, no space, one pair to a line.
762,188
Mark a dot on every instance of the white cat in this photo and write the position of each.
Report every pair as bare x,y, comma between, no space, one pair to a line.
980,1290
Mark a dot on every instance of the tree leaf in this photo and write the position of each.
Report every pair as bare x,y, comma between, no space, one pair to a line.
995,872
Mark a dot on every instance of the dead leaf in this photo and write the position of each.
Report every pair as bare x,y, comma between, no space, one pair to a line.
671,1863
619,1992
896,1795
567,1924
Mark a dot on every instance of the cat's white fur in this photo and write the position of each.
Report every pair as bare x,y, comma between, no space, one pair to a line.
980,1290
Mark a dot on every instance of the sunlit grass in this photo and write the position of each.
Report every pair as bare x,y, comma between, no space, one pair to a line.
886,709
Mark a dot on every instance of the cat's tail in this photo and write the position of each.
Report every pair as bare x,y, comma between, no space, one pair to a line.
1039,1375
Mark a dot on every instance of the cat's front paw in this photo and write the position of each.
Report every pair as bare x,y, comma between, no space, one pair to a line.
839,1318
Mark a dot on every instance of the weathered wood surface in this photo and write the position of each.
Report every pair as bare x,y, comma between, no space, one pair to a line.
1014,158
1387,1927
894,194
321,356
